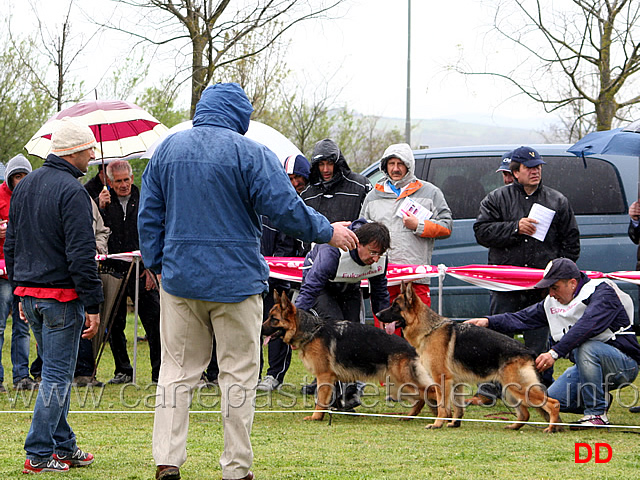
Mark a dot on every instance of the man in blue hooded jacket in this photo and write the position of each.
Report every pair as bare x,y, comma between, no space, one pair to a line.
199,224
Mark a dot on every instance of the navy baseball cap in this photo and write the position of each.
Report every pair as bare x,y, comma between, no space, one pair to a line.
527,156
504,163
558,269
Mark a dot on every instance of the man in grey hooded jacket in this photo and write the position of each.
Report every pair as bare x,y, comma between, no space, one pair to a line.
17,168
414,211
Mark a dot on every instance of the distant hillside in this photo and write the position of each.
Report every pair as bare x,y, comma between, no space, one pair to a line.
453,133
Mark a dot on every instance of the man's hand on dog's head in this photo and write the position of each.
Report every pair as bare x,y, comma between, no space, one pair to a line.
480,322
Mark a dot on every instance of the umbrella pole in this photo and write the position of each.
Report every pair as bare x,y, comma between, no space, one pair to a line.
104,172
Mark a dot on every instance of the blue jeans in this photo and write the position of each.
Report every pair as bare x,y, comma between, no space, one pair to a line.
57,327
19,333
598,369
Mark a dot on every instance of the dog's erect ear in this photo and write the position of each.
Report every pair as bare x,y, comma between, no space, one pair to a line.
408,292
284,301
403,287
276,296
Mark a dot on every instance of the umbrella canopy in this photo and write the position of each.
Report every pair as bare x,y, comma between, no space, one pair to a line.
619,141
259,132
613,142
122,129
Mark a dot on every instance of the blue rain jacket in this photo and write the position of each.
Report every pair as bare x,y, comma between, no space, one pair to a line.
201,198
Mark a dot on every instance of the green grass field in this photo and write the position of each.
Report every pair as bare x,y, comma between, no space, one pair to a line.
115,423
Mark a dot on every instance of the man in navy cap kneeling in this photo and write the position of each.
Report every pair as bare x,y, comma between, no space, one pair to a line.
590,321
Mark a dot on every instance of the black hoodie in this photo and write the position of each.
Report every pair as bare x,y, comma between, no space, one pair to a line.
339,199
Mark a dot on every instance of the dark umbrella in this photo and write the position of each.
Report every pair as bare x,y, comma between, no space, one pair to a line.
619,141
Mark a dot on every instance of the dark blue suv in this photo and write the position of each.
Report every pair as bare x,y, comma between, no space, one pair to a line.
600,195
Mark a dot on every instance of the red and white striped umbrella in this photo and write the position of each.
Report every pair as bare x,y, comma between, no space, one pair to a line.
122,129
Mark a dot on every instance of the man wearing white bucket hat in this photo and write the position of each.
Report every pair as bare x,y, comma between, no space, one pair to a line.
56,277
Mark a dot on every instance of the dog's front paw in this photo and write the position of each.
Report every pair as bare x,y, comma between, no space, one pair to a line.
434,426
454,424
314,418
553,429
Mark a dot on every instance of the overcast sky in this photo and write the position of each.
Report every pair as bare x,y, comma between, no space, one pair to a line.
364,55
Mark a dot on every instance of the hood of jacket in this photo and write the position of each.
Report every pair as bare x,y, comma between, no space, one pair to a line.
403,152
327,149
224,105
18,164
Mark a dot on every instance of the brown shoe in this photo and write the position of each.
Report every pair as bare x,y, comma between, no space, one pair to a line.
249,476
167,472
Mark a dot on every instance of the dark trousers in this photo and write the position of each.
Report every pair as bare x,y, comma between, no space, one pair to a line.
279,353
345,306
212,371
149,312
86,362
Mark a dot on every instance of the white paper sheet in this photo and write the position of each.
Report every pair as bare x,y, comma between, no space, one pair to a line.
409,206
544,216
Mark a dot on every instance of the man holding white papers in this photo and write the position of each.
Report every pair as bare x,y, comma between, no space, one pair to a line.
507,226
414,211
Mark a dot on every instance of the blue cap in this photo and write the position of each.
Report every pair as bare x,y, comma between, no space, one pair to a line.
297,165
505,162
527,156
558,269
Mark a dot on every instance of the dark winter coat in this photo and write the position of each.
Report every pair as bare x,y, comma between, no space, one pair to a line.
124,227
50,241
497,227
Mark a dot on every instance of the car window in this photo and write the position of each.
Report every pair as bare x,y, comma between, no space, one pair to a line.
595,190
465,181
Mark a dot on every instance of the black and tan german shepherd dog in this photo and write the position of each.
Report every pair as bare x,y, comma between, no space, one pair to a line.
456,353
347,351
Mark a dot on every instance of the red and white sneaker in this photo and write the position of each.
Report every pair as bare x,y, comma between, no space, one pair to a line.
49,465
76,459
590,421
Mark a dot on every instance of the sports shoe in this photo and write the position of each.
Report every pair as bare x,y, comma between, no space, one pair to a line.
86,381
635,409
268,384
120,378
590,421
26,383
167,472
75,459
49,465
310,389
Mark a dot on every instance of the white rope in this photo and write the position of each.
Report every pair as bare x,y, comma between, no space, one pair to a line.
333,412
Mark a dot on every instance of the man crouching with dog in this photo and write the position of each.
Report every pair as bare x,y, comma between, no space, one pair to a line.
590,322
331,286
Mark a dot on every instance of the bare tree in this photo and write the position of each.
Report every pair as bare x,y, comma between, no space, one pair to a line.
582,61
61,50
214,28
262,75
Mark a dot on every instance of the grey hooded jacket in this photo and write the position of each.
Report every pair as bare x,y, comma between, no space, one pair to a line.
383,205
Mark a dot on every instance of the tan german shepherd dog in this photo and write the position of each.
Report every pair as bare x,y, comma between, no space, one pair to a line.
456,353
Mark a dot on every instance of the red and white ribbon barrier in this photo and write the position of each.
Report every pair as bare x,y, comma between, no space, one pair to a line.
500,278
290,269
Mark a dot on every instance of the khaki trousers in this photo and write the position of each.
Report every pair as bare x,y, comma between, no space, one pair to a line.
186,330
